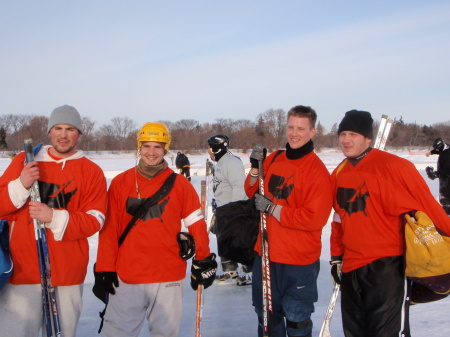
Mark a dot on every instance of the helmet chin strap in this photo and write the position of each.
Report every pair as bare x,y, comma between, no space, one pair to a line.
135,173
220,149
219,154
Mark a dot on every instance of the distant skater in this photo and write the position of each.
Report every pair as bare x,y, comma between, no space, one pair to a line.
442,149
182,163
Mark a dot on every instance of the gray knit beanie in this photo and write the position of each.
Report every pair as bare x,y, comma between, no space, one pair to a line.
65,114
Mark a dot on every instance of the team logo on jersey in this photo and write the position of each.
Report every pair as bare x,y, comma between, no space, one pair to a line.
352,200
280,187
154,211
54,195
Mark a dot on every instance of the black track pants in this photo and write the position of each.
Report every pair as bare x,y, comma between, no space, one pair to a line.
374,300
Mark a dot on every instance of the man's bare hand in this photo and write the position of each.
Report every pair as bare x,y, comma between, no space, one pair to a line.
29,174
40,211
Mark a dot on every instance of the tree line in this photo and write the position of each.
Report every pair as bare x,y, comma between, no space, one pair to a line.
189,135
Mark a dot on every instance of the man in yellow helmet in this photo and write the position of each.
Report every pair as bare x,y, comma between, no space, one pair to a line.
144,272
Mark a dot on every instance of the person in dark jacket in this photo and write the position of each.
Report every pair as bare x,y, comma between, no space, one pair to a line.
442,149
182,163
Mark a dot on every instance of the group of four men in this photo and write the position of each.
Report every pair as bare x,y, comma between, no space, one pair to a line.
144,272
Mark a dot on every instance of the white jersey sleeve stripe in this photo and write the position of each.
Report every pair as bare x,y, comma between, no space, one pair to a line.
17,193
193,218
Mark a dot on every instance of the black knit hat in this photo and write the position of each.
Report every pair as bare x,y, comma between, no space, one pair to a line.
357,121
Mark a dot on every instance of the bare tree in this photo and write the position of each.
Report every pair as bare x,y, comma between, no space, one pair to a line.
190,135
15,138
170,125
116,134
88,134
107,138
245,136
274,125
122,126
330,139
443,130
35,129
225,126
319,138
184,135
6,122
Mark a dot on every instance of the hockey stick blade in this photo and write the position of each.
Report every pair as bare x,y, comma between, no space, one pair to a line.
385,135
380,132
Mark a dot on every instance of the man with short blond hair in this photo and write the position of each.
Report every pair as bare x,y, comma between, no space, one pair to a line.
297,200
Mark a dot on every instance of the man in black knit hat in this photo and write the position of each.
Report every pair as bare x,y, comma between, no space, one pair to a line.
372,189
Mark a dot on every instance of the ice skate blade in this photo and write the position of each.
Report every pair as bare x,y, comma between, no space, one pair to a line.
243,284
226,282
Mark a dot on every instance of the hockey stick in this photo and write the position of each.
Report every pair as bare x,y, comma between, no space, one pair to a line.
199,311
213,216
386,131
199,307
380,131
383,132
50,307
266,281
325,330
205,192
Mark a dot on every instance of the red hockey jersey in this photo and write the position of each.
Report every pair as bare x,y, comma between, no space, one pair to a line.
369,200
75,184
150,252
302,187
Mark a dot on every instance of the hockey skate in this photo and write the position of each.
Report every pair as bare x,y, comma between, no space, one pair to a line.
227,277
245,279
245,276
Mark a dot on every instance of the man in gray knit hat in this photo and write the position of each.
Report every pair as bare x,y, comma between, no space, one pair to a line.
73,207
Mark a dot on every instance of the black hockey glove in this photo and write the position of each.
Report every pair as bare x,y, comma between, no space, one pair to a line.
263,204
203,271
109,280
258,154
336,269
431,173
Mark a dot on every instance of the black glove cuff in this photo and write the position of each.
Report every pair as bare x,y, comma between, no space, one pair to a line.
254,163
336,259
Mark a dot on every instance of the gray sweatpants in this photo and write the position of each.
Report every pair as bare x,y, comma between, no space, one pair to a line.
21,310
159,303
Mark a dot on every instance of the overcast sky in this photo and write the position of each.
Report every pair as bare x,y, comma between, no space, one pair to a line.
206,59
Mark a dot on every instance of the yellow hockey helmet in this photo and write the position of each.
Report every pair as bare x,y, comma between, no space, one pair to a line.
154,132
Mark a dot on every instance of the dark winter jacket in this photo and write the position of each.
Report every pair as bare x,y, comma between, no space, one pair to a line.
182,161
443,164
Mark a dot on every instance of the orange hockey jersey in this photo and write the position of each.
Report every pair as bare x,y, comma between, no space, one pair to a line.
369,200
150,252
302,187
75,184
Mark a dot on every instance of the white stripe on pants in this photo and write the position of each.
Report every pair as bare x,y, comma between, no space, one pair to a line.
159,303
21,309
